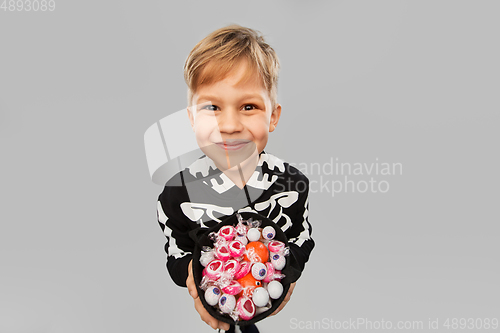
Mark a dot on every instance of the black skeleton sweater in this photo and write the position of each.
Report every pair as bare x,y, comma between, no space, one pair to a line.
202,196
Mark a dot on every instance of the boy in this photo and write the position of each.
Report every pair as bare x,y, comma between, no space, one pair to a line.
232,79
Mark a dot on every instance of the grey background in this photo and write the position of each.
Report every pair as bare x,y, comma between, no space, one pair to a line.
414,82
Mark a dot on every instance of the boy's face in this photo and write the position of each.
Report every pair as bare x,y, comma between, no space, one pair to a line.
232,118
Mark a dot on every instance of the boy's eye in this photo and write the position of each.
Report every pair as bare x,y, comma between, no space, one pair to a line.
249,107
209,107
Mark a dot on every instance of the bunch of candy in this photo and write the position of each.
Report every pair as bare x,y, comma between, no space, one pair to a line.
243,269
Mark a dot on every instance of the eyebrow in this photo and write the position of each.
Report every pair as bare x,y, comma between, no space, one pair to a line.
216,99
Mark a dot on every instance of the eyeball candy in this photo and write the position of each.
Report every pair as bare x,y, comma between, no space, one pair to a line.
245,268
278,261
270,272
275,289
227,303
222,252
227,232
242,239
234,288
256,252
268,232
276,246
259,271
212,295
253,234
214,269
260,297
246,308
236,249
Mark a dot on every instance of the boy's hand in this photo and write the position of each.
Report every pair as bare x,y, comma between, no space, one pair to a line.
287,298
204,315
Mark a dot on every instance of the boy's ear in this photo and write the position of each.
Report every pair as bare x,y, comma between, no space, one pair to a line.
191,117
275,117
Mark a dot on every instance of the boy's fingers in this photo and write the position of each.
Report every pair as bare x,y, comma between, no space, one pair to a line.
223,326
204,315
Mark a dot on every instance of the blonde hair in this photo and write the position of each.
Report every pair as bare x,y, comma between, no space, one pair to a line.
213,58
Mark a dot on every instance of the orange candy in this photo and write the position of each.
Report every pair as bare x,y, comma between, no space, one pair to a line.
249,283
260,250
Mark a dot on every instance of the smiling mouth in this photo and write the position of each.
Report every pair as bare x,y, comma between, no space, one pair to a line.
232,144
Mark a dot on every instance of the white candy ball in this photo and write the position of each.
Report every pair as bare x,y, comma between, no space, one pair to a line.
268,233
212,295
253,234
278,261
259,271
227,303
206,258
260,297
275,289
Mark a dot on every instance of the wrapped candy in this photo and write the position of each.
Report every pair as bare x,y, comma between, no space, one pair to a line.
214,269
212,295
227,232
242,270
268,232
227,303
207,255
246,308
256,252
278,260
236,248
276,246
234,288
259,271
245,268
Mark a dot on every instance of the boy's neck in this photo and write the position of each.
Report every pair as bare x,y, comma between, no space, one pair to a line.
241,173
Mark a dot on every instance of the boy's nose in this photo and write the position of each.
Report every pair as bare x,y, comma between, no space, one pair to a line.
229,122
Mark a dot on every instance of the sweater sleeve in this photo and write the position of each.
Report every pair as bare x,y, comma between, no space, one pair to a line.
299,235
179,246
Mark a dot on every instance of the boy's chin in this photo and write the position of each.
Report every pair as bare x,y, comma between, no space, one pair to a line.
230,159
